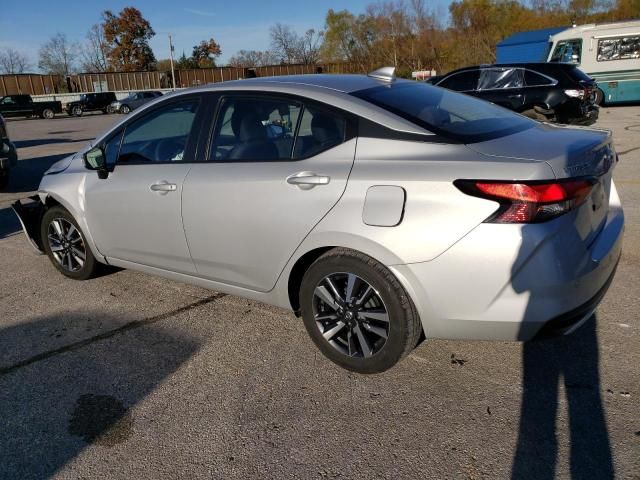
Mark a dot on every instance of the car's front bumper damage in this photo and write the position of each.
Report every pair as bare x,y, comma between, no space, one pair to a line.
29,211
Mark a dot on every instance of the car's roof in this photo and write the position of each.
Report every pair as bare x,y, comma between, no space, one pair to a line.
346,83
529,65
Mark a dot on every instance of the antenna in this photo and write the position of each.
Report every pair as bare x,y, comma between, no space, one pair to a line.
388,74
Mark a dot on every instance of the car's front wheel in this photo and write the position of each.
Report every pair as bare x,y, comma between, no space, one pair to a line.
65,245
357,313
47,113
125,109
76,111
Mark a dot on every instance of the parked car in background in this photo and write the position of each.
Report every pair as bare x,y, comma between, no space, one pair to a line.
8,155
24,106
555,92
377,209
608,52
134,100
90,102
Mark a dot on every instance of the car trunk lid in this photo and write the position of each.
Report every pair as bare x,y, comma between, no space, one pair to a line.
571,152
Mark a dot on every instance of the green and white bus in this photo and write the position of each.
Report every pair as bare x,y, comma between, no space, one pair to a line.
610,53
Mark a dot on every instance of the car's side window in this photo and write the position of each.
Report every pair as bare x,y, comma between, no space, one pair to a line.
461,82
254,129
160,136
499,78
111,149
533,79
319,130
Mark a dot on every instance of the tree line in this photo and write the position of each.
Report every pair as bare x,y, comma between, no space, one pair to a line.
406,33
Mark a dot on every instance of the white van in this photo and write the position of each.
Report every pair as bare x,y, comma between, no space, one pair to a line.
610,53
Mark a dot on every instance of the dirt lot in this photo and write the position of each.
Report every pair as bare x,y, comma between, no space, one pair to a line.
131,376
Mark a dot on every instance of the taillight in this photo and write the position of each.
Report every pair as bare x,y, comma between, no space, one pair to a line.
578,93
529,202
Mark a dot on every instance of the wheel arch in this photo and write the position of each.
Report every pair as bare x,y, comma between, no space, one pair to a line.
316,246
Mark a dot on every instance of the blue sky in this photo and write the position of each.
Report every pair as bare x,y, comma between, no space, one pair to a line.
235,24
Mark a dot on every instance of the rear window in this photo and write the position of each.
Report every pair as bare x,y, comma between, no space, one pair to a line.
449,114
579,75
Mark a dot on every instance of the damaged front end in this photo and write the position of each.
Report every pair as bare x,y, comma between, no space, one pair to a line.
29,211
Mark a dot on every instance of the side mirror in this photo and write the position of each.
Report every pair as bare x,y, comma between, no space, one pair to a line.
95,159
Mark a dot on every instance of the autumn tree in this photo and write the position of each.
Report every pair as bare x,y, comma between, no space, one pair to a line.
57,55
127,38
205,53
13,61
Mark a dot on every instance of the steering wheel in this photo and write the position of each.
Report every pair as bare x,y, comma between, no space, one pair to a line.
168,149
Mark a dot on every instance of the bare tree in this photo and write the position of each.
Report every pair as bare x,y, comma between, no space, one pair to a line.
290,47
13,61
253,58
57,55
309,46
284,42
94,52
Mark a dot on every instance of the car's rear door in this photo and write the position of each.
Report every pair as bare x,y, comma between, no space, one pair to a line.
503,86
248,208
134,214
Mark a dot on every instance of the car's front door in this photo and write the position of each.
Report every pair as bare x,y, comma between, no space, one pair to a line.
275,168
134,214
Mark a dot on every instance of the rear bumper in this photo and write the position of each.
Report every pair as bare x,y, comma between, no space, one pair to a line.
507,282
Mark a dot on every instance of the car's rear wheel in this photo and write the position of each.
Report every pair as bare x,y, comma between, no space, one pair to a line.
76,111
47,113
598,97
65,245
125,109
357,313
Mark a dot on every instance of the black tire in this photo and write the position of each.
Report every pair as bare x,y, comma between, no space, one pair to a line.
76,111
125,109
47,113
403,327
599,97
4,179
89,266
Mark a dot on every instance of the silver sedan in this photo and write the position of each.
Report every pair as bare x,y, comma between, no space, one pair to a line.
379,210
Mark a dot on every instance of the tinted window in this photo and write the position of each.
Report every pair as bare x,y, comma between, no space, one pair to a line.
567,51
252,129
319,130
621,48
533,79
160,136
461,82
452,115
498,78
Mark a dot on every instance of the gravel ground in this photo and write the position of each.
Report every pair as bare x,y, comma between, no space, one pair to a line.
131,376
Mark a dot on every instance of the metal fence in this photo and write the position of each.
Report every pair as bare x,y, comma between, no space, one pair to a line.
35,84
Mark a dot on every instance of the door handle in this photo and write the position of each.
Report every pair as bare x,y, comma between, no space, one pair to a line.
163,187
307,180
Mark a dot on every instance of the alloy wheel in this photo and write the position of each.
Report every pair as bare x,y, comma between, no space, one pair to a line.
350,315
66,244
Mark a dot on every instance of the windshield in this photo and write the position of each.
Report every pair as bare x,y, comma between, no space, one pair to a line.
449,114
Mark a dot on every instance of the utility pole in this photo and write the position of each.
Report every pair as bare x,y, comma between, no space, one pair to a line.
173,75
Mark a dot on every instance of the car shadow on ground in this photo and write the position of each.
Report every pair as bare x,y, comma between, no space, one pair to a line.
70,380
26,176
9,224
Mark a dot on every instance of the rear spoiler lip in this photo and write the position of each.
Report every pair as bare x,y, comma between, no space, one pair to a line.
29,216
